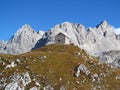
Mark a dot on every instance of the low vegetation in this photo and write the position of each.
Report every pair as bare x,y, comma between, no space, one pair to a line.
56,65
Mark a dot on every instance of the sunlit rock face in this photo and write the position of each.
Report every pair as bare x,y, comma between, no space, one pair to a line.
94,40
22,41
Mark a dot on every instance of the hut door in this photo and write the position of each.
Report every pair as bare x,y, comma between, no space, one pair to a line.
58,41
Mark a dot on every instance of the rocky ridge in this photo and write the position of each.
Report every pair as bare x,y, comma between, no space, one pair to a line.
94,40
22,41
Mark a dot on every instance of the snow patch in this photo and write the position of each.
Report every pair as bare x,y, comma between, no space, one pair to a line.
117,30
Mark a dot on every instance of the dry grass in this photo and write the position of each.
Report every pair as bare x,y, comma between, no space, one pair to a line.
56,65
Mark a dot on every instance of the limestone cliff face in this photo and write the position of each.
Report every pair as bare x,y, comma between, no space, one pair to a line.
101,38
94,40
22,41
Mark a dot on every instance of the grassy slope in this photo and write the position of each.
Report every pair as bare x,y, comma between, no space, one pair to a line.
50,63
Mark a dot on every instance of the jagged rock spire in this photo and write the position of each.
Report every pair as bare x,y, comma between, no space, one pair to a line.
102,24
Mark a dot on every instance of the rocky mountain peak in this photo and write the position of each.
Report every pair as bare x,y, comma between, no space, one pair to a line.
22,41
25,28
103,24
105,29
23,32
66,22
63,25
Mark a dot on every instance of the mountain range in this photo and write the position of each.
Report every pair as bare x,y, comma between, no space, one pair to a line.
32,60
95,41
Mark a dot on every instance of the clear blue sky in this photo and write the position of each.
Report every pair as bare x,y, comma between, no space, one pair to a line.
44,14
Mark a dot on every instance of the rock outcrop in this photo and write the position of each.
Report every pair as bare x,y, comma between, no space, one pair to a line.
110,57
18,82
82,68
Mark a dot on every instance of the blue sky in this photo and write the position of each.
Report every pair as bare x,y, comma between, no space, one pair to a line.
44,14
